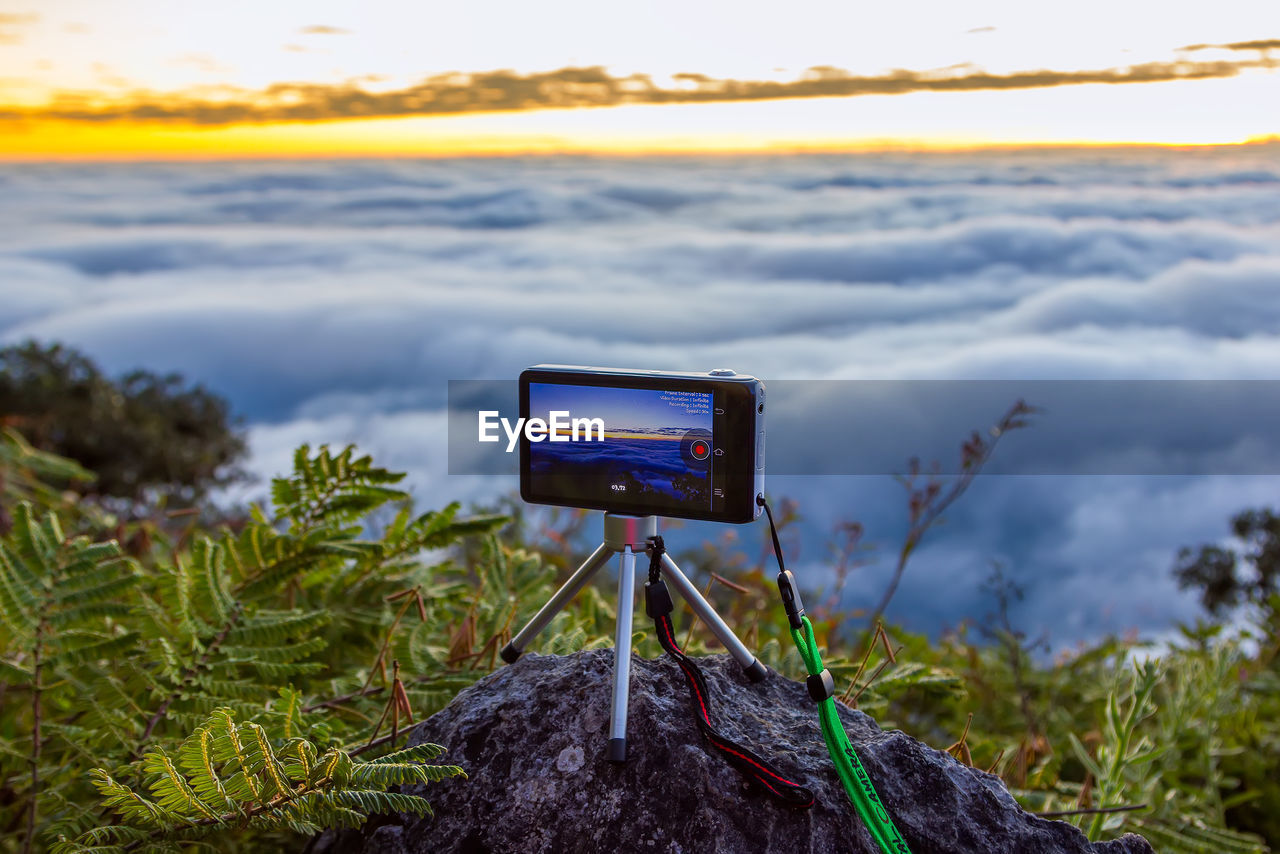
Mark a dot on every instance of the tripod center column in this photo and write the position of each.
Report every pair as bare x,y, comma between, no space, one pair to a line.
635,531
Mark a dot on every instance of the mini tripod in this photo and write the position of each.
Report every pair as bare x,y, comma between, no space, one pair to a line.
628,536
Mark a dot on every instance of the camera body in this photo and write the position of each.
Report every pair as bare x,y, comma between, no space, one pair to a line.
644,443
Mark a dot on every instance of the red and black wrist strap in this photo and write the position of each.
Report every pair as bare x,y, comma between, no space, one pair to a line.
658,605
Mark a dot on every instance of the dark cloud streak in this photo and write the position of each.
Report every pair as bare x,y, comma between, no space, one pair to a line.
1256,44
506,91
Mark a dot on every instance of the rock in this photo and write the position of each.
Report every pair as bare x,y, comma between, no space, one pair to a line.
532,738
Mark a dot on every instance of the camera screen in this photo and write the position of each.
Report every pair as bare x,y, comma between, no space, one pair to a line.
647,447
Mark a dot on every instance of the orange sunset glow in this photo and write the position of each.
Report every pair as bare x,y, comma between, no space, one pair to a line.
136,79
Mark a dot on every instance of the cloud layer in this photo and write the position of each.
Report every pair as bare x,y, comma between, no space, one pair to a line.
333,301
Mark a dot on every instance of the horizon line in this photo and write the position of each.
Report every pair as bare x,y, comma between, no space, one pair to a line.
883,146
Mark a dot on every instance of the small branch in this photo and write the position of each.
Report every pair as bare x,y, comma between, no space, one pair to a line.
370,691
334,702
961,747
928,505
1091,811
377,742
693,624
243,816
36,717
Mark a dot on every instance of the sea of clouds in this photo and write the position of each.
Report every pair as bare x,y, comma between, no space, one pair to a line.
333,301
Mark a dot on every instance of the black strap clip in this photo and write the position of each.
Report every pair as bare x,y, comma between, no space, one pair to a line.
821,686
657,598
791,601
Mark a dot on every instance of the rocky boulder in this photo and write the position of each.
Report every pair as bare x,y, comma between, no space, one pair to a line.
532,738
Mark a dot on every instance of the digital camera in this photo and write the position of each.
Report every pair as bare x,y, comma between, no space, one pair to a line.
646,443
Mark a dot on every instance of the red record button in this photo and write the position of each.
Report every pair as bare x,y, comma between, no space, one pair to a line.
699,450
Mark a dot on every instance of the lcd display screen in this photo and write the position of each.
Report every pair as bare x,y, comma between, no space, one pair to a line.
643,447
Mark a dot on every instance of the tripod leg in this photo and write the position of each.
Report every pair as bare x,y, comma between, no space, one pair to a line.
622,657
567,591
755,670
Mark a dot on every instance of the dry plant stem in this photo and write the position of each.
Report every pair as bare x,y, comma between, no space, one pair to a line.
844,698
891,658
36,715
372,745
693,624
961,749
977,452
396,706
379,663
337,702
1092,811
732,585
190,529
870,682
355,713
491,646
1086,792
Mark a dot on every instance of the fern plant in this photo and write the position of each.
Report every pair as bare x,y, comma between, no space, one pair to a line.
29,474
286,624
59,599
229,774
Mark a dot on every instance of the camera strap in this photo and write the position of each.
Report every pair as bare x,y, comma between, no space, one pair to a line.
857,783
658,606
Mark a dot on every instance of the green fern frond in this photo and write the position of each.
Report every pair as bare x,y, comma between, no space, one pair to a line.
274,653
333,488
424,752
372,803
128,803
171,789
196,757
333,767
232,772
94,648
274,627
386,774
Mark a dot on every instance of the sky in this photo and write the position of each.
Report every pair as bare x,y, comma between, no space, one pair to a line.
333,301
108,79
300,205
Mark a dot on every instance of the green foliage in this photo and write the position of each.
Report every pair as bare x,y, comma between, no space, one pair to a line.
201,683
1227,578
1190,736
30,474
315,630
229,774
1120,764
147,437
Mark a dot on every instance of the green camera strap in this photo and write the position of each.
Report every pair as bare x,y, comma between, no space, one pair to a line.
853,776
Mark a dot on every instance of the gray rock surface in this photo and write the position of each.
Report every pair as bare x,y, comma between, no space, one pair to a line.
532,738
